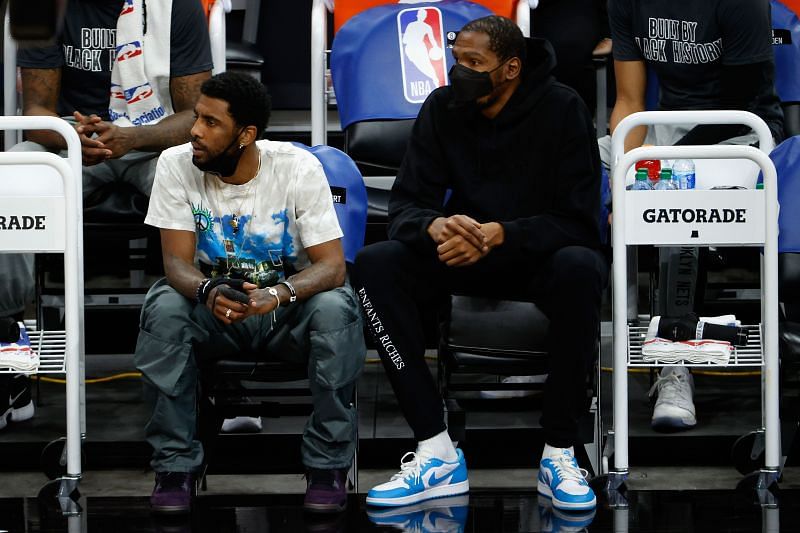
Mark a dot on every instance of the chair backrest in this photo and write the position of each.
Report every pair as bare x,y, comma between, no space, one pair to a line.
384,64
347,9
786,40
786,157
349,195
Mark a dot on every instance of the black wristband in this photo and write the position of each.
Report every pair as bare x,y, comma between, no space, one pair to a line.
201,294
208,284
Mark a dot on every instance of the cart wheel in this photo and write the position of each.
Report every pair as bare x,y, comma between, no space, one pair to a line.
53,459
742,453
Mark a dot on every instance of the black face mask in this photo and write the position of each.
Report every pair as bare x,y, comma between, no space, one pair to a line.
469,85
224,164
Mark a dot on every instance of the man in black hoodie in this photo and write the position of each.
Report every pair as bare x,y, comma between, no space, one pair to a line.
518,152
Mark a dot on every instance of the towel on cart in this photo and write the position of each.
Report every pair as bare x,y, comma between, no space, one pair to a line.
19,355
658,350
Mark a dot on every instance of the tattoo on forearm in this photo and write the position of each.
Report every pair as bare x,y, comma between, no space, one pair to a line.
40,88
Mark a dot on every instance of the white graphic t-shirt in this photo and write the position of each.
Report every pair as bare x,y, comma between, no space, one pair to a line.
258,226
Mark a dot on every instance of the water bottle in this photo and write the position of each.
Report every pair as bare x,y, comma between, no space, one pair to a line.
683,173
641,183
665,182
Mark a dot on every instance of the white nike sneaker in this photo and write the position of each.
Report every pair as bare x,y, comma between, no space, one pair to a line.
421,478
674,410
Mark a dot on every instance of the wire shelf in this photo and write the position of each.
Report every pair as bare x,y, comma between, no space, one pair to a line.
51,347
750,355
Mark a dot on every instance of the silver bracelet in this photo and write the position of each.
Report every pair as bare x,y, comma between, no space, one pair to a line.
292,292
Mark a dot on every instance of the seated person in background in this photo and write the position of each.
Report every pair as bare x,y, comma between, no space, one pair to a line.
16,292
228,206
129,90
707,55
518,152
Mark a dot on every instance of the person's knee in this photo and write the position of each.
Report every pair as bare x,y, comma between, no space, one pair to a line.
163,305
28,146
579,266
334,309
377,260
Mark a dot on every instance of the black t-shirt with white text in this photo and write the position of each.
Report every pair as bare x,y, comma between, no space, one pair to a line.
688,43
83,53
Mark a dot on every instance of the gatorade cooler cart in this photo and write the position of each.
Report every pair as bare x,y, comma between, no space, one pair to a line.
47,189
755,223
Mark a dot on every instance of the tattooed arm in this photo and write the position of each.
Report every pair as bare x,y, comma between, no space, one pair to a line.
171,131
40,90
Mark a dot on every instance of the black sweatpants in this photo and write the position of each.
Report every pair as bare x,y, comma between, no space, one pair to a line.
400,289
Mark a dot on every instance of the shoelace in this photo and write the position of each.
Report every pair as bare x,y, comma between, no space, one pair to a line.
568,469
410,466
671,388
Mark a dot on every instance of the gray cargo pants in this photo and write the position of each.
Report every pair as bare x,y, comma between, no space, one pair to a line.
175,333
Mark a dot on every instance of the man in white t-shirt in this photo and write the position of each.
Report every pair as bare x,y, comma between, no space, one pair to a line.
251,247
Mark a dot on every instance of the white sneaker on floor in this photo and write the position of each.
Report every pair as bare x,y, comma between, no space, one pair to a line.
674,410
242,424
421,478
562,481
503,394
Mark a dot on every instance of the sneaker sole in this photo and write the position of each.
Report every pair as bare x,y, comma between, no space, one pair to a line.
22,414
444,491
170,509
544,490
671,424
324,508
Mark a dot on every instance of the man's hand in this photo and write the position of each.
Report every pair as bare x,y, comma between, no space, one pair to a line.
261,301
92,150
457,252
226,308
119,141
443,229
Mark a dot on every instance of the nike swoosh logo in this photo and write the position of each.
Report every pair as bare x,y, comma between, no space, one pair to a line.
447,470
15,398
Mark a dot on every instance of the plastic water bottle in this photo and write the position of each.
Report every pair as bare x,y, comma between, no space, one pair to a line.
683,173
641,183
665,182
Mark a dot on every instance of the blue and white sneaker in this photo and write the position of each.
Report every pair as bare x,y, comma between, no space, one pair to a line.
421,478
442,515
561,480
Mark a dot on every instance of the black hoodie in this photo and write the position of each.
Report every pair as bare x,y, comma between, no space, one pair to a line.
534,168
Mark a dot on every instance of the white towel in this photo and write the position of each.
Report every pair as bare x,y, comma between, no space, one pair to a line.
18,355
141,64
696,351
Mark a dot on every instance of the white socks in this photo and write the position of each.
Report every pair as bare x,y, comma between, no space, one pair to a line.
551,451
439,446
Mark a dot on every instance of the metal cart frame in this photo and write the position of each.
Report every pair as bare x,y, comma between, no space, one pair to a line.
760,230
60,351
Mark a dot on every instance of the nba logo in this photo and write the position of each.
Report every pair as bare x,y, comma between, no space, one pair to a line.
421,52
127,7
139,93
129,50
117,92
